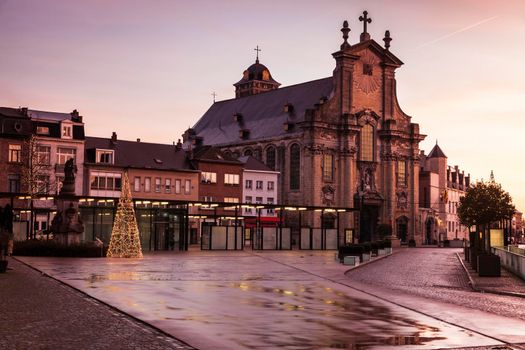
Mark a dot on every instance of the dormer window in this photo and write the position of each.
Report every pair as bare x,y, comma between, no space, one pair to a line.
105,156
42,130
67,131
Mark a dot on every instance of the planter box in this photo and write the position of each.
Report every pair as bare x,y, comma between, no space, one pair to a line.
365,257
489,265
351,260
388,250
3,266
381,252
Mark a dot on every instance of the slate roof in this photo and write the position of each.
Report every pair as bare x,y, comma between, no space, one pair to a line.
437,152
12,112
14,123
213,154
251,163
51,116
142,155
262,114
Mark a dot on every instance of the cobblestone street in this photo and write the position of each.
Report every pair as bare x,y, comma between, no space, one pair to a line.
38,312
432,273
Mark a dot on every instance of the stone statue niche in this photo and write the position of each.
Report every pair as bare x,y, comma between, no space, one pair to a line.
67,226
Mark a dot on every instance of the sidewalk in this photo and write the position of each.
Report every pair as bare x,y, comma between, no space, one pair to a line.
507,284
38,312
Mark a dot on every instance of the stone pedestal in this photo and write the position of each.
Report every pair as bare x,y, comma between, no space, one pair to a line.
67,227
396,243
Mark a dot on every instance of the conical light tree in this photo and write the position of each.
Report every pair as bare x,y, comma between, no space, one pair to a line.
125,238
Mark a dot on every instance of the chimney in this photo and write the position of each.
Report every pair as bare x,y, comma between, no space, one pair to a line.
24,111
138,140
114,137
178,146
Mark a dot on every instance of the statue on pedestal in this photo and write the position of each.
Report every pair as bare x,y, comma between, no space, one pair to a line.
67,225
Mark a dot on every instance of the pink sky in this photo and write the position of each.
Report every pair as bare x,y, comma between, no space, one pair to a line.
146,69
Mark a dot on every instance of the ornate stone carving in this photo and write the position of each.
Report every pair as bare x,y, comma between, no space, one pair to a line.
315,149
368,80
328,194
402,200
367,177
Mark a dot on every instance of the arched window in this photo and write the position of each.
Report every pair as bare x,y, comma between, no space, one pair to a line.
367,143
248,152
295,167
270,157
257,153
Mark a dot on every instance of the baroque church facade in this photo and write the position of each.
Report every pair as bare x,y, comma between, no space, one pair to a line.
339,141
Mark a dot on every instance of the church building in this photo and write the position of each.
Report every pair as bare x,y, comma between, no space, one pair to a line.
340,141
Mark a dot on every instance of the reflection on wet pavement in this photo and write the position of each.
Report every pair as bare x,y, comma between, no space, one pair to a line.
247,302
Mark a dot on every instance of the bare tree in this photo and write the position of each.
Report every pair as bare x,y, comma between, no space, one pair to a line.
36,173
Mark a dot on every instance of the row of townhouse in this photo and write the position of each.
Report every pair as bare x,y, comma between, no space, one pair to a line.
440,189
39,143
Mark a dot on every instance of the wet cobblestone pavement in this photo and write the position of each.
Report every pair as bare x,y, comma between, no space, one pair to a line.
435,274
37,312
282,300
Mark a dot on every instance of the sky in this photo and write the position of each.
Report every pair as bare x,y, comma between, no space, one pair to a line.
147,68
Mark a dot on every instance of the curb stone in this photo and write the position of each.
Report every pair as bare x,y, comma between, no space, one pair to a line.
475,288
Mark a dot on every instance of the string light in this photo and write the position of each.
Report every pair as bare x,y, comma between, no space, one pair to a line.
125,238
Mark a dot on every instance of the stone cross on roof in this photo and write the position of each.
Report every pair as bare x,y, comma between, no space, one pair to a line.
364,18
258,50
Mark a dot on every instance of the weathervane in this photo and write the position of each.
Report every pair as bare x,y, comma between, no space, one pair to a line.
364,18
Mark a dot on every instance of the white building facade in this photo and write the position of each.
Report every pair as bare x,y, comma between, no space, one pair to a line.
259,186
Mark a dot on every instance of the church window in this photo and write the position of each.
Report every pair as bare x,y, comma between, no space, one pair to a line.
248,152
270,158
328,167
257,154
367,143
401,173
295,167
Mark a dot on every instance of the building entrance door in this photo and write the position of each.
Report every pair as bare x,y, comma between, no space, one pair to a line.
167,230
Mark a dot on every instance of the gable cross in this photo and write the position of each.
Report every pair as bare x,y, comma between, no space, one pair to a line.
365,19
214,95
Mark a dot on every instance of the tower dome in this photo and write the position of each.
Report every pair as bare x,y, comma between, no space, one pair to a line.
255,79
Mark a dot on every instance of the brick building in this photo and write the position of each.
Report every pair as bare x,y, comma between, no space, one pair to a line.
160,176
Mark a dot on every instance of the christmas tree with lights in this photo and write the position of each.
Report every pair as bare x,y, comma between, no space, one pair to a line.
125,238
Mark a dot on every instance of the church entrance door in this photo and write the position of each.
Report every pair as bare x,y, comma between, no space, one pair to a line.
429,228
368,217
402,229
